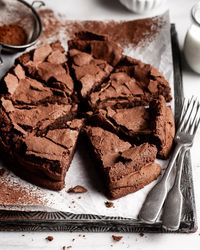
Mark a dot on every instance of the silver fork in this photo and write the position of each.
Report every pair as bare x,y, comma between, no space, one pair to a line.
172,211
184,138
173,204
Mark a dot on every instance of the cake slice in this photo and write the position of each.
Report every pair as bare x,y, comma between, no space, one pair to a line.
46,158
99,46
49,65
92,58
131,124
131,84
126,168
162,126
88,71
154,124
147,77
39,127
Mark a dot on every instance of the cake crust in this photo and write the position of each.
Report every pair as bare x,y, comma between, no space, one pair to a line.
38,116
125,168
132,83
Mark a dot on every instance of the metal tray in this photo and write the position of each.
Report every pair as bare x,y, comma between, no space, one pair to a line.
60,221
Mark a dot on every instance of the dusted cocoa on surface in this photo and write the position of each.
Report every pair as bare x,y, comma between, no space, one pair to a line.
125,33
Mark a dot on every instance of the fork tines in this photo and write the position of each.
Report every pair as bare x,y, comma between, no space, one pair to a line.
190,116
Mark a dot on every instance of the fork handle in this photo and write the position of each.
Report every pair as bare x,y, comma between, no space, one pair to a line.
173,205
154,201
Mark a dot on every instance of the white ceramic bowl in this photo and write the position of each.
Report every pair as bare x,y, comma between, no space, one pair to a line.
141,6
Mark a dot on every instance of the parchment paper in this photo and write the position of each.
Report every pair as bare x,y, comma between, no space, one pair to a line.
156,51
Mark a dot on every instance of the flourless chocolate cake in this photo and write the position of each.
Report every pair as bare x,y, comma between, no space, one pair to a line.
126,167
132,83
88,71
39,128
99,46
41,114
153,124
92,59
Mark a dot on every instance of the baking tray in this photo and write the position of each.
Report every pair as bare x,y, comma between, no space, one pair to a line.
62,221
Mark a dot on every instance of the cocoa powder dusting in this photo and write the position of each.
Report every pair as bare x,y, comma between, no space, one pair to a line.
14,194
12,34
125,33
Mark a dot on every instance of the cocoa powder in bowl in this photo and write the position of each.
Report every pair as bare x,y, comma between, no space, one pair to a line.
12,34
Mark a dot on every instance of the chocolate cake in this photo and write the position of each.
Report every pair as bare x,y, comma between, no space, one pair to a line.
126,168
92,58
99,46
48,64
163,126
154,124
39,124
132,83
43,102
88,71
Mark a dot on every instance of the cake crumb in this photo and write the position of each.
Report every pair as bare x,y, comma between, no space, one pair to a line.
117,237
49,238
77,189
73,239
109,204
141,234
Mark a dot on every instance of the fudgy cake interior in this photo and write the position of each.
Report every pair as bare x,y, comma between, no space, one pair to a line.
126,167
44,102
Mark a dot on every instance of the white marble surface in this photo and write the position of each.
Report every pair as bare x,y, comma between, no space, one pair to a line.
111,9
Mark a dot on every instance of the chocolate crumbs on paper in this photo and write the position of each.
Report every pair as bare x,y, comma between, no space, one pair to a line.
49,238
109,204
77,189
116,237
